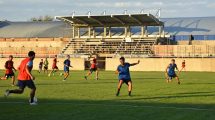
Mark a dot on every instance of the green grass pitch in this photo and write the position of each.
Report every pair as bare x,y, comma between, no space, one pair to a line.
77,99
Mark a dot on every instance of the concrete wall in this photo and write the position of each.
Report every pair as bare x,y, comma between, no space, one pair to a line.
197,42
77,63
146,64
184,50
159,64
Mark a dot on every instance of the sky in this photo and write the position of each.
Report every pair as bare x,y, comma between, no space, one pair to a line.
23,10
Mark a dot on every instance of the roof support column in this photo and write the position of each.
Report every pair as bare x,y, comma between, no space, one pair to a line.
78,32
128,31
94,35
160,30
142,31
73,32
89,32
109,31
146,31
105,31
163,32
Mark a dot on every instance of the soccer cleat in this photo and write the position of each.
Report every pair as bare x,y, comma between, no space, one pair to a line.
179,83
33,103
97,78
129,93
49,75
85,77
63,80
7,93
117,94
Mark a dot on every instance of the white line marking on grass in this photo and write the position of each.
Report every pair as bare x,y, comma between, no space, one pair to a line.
115,105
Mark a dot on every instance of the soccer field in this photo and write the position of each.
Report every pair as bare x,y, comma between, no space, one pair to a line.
77,99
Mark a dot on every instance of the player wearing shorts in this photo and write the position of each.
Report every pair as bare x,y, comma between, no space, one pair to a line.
183,65
67,64
170,72
25,78
9,70
40,65
124,75
93,68
46,64
54,66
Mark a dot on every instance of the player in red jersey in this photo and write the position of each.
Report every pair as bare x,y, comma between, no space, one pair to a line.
93,68
183,65
9,70
25,78
54,66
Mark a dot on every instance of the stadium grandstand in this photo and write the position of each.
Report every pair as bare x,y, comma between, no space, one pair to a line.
136,35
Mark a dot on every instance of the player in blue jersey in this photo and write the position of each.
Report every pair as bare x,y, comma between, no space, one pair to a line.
67,65
170,72
124,75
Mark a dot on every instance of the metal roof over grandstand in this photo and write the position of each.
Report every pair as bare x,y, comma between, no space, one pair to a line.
112,20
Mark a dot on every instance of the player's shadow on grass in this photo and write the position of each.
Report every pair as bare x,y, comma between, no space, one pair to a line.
177,95
144,78
198,83
71,83
11,101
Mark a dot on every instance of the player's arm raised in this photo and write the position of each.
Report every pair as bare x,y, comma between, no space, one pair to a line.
133,64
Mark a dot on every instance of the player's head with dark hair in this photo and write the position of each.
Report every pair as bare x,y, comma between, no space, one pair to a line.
122,60
10,57
41,59
55,56
94,60
68,56
31,54
173,60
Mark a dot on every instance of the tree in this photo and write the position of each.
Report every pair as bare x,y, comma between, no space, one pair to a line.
42,18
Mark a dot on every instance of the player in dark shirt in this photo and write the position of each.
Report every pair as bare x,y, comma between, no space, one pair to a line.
9,70
67,65
40,65
124,75
170,72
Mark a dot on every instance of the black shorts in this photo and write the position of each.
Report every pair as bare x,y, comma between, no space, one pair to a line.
126,81
9,75
172,76
45,67
54,67
40,67
93,69
29,83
